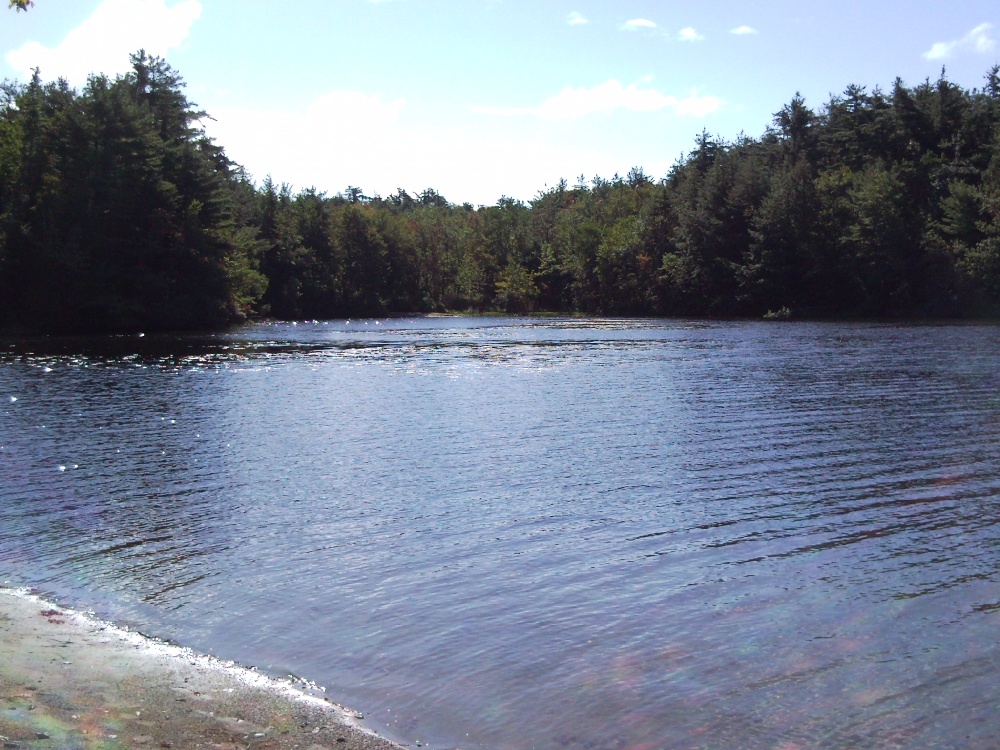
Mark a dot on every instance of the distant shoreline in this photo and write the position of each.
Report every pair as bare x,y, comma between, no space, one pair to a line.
20,333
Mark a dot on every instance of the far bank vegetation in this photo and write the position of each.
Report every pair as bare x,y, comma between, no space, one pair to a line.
118,214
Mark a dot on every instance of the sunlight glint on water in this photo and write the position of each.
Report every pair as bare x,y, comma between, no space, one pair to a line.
533,533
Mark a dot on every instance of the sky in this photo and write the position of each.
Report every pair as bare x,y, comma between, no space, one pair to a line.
480,99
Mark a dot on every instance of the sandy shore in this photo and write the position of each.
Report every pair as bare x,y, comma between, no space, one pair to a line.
67,681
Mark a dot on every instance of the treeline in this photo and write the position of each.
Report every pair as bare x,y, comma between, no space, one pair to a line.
117,213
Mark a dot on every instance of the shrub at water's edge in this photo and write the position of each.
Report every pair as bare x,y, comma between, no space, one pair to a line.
118,214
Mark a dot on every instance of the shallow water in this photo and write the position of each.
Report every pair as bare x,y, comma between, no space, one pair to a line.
539,533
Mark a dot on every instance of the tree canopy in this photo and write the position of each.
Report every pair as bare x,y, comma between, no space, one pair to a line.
117,213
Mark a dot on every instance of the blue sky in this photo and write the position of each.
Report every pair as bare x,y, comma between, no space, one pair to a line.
484,98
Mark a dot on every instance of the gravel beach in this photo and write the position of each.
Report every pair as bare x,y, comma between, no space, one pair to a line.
67,681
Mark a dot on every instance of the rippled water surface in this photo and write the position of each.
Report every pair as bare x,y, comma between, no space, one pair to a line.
507,533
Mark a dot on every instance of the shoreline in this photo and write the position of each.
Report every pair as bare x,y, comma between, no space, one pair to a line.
21,333
69,681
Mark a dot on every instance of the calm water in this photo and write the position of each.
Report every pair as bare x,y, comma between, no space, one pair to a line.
506,533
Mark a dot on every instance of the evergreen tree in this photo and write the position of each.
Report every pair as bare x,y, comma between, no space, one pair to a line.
120,217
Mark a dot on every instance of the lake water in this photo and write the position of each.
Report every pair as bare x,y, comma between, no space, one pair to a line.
531,533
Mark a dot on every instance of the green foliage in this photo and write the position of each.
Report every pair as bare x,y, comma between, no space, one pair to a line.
873,207
366,254
119,215
516,291
778,266
116,213
980,262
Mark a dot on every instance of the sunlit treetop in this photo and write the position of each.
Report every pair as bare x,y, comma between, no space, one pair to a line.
21,4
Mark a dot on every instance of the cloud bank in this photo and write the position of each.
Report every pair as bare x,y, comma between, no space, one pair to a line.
352,138
104,41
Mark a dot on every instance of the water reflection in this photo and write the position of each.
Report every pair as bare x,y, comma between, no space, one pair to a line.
523,533
138,510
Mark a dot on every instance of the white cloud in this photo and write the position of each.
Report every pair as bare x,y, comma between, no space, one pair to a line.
351,138
743,30
571,103
336,133
977,40
576,19
104,41
688,34
698,106
346,113
638,23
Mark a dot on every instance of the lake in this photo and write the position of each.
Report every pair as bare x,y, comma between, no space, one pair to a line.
538,533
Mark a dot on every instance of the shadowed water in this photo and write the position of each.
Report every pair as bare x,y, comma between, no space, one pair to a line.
539,533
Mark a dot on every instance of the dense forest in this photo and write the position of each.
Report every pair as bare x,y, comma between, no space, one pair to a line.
117,213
